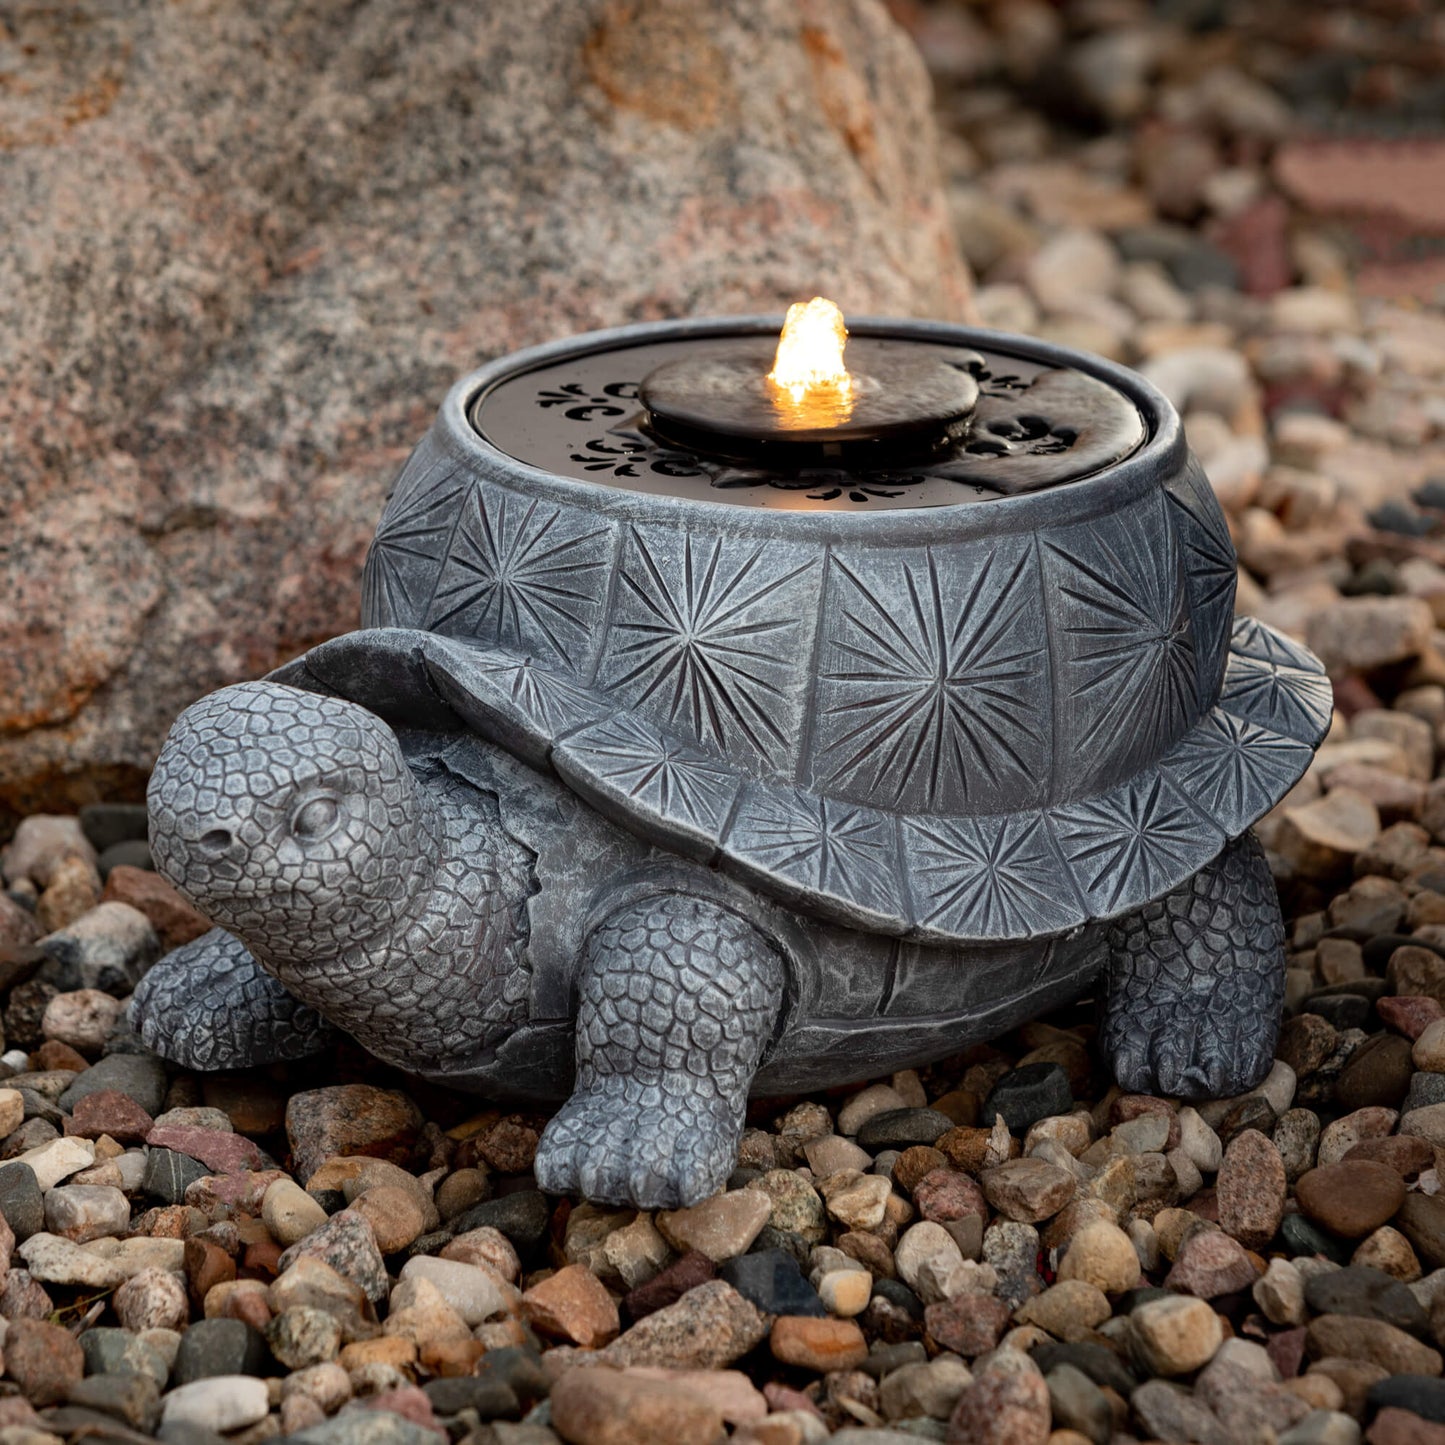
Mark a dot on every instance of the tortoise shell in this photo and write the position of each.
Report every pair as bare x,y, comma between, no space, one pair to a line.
947,723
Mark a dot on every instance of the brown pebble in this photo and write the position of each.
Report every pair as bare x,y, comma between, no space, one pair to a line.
817,1344
1132,1106
261,1259
1405,1154
1410,1015
207,1265
1378,1074
350,1119
394,1350
1212,1263
969,1324
869,1251
960,1105
913,1163
610,1407
1416,972
574,1305
1421,1219
1351,1198
1354,1378
460,1190
669,1286
1393,1426
43,1359
966,1147
1028,1190
53,1054
394,1215
1306,1042
509,1146
173,919
1007,1404
450,1357
944,1195
109,1112
1353,1337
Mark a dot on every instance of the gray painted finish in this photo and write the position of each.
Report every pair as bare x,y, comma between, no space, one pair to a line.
899,778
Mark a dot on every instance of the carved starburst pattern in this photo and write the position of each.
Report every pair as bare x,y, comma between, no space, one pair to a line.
658,773
411,541
1127,675
934,689
522,573
1275,683
1210,564
711,636
538,697
821,844
987,877
1235,770
1133,844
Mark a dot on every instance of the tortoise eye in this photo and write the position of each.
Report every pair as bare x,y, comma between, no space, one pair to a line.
315,818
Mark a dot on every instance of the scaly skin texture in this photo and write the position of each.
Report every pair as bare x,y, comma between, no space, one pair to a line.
1195,982
677,999
395,907
206,1005
393,904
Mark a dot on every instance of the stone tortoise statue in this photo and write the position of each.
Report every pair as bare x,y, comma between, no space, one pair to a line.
660,803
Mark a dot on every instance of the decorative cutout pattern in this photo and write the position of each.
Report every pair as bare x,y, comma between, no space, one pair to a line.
1035,426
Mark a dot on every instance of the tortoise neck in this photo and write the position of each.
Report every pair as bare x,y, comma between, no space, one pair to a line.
450,977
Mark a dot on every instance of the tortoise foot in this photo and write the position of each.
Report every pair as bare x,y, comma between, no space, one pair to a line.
1196,983
678,997
639,1144
209,1005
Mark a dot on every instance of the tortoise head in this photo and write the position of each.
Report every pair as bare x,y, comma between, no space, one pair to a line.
288,818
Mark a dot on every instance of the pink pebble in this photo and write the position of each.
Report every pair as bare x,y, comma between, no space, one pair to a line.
1409,1014
780,1397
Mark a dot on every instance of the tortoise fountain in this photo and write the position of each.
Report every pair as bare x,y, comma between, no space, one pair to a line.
731,721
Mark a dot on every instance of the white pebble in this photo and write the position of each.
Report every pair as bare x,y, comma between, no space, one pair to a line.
474,1293
221,1403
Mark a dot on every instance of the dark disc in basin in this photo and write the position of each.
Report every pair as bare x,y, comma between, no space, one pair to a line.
897,403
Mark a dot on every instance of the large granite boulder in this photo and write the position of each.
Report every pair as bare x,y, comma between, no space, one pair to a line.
247,247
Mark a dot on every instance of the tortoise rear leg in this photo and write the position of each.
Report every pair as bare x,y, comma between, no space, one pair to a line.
1195,982
678,999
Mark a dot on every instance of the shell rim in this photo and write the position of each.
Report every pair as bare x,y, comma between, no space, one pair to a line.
1273,687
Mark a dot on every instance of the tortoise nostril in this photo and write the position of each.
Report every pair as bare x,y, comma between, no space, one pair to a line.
216,841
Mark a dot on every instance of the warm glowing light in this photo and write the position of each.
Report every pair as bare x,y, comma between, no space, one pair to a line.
810,351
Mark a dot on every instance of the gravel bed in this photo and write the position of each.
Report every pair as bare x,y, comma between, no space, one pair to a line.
1002,1249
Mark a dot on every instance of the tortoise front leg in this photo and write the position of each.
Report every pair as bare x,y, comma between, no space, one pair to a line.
209,1005
1195,982
678,998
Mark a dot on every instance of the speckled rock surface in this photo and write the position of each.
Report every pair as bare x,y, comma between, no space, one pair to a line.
230,308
